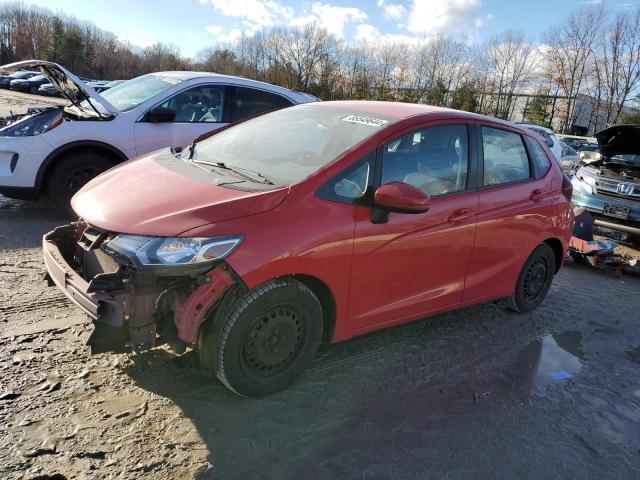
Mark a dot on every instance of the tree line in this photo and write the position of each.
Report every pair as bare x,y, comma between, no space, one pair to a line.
591,52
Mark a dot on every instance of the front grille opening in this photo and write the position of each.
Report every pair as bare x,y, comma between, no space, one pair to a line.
91,259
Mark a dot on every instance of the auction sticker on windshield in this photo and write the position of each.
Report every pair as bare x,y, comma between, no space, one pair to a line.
372,122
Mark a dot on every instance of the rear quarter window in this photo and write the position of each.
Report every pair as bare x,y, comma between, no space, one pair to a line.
539,159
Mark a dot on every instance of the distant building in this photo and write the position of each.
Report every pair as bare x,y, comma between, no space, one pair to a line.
588,116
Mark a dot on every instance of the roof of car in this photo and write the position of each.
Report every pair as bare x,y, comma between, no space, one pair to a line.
190,75
400,110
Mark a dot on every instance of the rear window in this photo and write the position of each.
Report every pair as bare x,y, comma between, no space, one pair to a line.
249,101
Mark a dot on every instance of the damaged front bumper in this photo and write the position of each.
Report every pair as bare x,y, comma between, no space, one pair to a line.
146,305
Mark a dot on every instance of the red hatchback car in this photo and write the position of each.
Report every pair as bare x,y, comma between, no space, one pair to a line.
314,223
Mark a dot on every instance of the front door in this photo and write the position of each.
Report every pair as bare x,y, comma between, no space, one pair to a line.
416,263
198,110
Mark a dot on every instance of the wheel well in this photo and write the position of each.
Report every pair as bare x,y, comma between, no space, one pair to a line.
556,246
327,301
51,163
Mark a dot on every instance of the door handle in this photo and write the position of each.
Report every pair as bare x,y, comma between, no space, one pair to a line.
461,215
537,194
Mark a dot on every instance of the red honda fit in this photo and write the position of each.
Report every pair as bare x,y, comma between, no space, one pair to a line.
314,223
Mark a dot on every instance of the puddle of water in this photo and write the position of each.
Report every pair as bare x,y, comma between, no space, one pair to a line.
634,354
550,359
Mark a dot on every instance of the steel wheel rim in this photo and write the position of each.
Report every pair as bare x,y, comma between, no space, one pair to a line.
273,341
535,279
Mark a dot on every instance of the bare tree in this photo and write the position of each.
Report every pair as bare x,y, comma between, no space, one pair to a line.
507,60
568,49
620,59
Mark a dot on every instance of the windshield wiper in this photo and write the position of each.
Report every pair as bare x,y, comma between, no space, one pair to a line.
251,177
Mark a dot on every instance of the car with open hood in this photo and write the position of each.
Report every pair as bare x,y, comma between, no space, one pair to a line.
314,223
57,150
608,185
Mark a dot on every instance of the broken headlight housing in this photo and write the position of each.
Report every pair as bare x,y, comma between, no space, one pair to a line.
34,125
172,251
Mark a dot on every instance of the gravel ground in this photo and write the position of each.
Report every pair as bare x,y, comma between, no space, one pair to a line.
477,393
17,102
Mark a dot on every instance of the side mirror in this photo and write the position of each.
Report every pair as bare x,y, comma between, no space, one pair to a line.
159,115
398,197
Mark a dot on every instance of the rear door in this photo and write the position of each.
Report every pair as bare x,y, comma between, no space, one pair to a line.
416,263
514,192
198,110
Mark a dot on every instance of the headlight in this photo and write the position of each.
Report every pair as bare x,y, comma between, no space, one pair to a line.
33,125
172,251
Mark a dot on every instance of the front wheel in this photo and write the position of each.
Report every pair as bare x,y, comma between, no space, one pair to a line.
71,174
534,280
270,335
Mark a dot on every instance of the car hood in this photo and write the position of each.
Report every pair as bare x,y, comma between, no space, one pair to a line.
69,85
619,140
161,195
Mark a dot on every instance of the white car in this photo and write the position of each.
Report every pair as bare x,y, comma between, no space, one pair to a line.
549,137
57,150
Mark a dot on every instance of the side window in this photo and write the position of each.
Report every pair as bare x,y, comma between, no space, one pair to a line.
539,157
352,184
250,101
505,158
434,159
203,104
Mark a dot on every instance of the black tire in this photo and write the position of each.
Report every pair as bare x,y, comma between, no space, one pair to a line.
71,173
534,280
265,341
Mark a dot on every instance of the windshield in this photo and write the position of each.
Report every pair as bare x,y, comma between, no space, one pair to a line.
128,95
289,145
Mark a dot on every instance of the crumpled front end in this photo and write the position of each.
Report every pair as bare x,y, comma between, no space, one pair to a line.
133,307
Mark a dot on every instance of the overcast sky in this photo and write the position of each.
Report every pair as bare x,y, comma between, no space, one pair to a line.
195,24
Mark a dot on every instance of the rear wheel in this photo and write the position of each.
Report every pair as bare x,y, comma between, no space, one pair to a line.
534,280
269,336
71,174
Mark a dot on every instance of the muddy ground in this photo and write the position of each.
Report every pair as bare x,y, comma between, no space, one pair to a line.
477,393
474,394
